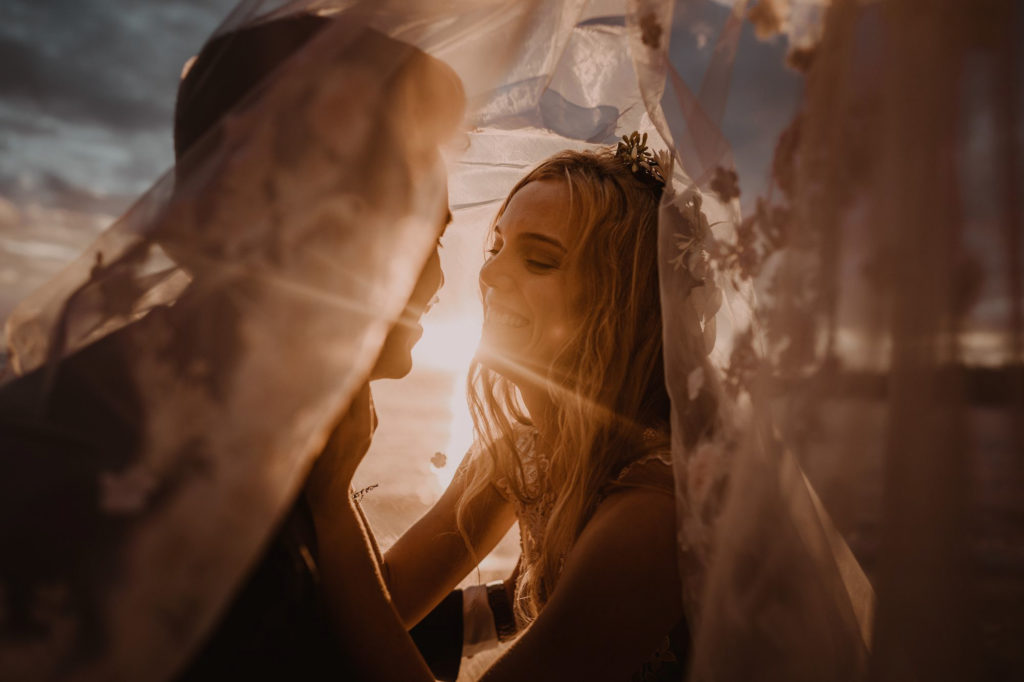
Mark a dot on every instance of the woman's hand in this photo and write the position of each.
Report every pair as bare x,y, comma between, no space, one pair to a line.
346,446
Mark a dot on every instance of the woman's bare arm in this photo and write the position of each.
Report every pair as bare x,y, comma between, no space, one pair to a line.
430,558
617,599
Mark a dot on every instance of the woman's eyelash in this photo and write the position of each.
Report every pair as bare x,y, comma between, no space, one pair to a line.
530,262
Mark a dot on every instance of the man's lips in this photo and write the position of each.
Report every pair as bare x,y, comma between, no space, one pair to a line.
412,312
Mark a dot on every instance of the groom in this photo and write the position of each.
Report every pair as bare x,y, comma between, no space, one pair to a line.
277,626
92,429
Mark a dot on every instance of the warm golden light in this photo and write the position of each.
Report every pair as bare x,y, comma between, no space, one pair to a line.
460,434
449,344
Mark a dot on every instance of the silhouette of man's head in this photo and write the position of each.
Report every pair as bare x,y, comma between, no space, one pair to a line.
420,101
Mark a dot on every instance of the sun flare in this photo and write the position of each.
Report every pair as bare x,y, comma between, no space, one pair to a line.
449,344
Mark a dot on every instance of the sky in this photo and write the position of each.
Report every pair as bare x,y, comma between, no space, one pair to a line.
86,102
88,92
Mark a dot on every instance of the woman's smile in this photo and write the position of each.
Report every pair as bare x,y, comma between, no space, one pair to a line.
526,281
495,313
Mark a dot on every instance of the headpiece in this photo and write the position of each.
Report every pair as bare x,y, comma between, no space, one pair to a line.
638,158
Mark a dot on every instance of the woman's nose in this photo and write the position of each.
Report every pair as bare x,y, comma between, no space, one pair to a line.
494,273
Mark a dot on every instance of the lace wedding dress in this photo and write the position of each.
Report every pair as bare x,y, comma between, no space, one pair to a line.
652,471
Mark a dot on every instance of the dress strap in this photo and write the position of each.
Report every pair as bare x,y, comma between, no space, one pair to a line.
653,470
662,457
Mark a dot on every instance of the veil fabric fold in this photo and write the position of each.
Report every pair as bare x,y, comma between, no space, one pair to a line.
211,338
787,304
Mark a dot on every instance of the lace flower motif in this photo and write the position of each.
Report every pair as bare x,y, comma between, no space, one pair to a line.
692,241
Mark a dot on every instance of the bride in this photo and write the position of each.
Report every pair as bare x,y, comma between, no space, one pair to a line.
571,411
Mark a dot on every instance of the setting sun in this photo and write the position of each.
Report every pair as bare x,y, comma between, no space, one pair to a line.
449,344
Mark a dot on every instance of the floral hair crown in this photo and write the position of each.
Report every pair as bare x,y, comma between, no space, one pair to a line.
633,152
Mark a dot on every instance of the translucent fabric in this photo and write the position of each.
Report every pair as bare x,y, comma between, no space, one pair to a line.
231,314
885,361
829,295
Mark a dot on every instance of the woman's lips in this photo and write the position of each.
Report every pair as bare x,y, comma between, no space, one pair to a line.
500,315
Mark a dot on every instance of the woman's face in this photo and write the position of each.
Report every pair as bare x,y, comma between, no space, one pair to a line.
525,283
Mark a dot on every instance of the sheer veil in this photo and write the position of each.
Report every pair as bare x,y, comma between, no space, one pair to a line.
840,271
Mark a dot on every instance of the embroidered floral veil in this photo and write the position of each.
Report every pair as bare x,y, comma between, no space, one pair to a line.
816,283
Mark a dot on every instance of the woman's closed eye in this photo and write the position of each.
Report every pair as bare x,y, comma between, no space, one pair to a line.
540,258
541,265
536,260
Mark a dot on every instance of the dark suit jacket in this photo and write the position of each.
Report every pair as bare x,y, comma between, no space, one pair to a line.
60,431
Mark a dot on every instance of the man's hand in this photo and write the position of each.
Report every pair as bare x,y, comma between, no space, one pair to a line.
332,473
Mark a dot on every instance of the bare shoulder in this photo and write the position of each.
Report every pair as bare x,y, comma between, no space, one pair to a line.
635,510
628,541
616,598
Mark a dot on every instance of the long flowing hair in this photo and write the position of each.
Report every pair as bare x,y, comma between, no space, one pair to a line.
607,383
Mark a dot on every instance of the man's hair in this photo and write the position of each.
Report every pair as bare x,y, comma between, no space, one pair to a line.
231,66
235,66
403,102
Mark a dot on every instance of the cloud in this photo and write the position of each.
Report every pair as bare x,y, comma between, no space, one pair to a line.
87,91
36,242
88,86
49,189
110,63
75,89
17,122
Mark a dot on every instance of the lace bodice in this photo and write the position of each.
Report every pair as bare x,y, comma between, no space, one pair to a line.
668,661
533,516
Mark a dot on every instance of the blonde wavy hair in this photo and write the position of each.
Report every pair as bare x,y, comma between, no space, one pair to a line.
607,383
